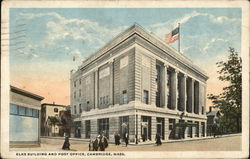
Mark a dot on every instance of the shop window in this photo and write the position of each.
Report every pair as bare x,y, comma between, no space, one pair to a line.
28,112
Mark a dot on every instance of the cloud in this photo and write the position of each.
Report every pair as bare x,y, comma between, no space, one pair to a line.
211,42
29,51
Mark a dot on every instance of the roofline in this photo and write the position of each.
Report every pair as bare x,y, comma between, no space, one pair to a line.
25,93
51,104
115,41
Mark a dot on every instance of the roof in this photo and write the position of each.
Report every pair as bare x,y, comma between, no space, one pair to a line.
51,104
25,93
212,113
143,33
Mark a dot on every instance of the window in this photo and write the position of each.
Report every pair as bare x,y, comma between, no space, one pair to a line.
22,110
80,93
171,124
100,100
74,95
124,97
103,98
55,110
202,110
74,109
13,109
107,99
80,108
145,96
35,113
103,127
88,106
28,112
74,83
80,81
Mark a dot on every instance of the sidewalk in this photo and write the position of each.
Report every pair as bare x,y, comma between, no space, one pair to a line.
150,142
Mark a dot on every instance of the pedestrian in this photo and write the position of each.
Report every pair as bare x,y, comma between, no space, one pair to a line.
101,143
66,144
158,139
126,138
118,139
91,145
96,143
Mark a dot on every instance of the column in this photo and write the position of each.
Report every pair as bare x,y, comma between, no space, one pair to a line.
96,89
111,67
166,127
138,127
174,91
165,84
83,130
191,95
183,92
153,127
93,128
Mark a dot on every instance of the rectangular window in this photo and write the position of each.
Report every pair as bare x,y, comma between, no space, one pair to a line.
100,100
56,110
171,124
74,95
80,81
125,97
145,97
80,108
107,99
13,109
74,109
103,127
103,98
28,112
74,83
202,110
22,110
35,113
80,93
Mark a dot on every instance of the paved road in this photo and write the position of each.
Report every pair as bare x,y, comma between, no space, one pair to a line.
232,143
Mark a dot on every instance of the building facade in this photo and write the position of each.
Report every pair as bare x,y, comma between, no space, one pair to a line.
51,120
139,85
24,129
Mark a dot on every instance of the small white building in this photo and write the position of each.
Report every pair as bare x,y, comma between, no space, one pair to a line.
24,129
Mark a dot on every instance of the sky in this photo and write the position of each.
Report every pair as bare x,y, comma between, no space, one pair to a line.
44,41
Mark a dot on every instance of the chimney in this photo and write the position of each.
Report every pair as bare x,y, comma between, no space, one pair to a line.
53,103
210,108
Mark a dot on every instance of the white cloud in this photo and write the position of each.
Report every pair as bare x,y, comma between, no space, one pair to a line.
212,41
28,51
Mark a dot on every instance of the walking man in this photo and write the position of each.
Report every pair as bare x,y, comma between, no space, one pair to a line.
126,138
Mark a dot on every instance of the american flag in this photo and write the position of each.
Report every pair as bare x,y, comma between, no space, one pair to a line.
172,36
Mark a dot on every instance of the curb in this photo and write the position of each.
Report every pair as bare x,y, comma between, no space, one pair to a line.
148,143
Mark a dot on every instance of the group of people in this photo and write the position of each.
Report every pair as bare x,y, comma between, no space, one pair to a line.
99,144
118,138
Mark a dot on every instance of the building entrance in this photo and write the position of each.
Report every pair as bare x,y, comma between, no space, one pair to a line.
160,127
146,128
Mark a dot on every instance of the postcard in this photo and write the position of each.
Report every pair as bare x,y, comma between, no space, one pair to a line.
125,79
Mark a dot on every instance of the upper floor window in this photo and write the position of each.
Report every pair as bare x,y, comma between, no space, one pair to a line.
124,97
107,99
80,108
80,92
74,95
75,83
74,109
80,81
56,110
145,96
100,100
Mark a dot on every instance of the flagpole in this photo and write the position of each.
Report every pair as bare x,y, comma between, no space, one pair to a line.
179,40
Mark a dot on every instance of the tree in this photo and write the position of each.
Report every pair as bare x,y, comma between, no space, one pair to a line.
230,100
53,121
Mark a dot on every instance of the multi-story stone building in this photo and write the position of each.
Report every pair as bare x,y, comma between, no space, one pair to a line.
138,84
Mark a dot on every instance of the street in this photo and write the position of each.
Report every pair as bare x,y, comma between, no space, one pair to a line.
230,143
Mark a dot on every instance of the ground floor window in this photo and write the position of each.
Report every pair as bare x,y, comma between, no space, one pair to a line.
124,125
103,127
146,128
202,129
160,127
87,129
190,130
171,128
197,129
77,129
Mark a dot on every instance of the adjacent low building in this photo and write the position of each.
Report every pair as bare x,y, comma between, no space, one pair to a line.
137,84
51,120
24,127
